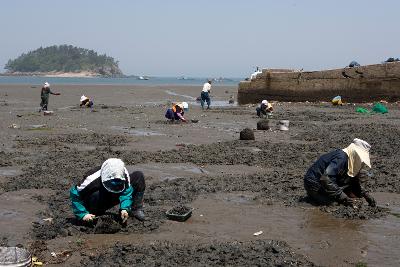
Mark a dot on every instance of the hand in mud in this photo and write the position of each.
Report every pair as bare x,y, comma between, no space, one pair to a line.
124,216
88,217
349,202
371,201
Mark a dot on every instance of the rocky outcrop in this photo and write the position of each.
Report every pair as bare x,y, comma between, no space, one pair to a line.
359,84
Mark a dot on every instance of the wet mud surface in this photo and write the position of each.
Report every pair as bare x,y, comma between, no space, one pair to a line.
56,159
256,253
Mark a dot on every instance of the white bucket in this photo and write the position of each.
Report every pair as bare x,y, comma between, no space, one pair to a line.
14,257
284,125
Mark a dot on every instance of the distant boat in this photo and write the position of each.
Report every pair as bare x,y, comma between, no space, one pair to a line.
143,78
184,78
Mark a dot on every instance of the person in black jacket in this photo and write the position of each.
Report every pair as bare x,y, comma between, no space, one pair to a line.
338,175
106,186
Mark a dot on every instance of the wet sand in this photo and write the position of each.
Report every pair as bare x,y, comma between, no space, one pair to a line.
236,187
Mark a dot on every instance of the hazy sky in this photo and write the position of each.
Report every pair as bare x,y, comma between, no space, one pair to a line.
207,38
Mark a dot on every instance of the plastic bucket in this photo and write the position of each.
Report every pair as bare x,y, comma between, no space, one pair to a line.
284,125
15,257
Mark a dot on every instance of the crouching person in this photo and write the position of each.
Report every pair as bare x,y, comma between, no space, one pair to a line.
338,176
264,109
86,102
176,112
107,186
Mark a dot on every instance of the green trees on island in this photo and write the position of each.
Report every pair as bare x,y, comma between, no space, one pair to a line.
64,58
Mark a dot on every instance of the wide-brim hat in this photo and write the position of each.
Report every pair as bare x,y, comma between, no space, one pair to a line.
185,106
84,98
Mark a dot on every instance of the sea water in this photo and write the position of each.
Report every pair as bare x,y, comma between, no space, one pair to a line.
39,80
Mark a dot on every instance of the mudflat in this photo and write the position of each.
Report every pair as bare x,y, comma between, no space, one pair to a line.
235,187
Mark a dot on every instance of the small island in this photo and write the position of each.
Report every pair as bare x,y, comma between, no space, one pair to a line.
63,61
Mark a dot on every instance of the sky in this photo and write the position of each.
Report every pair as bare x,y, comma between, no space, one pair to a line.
207,38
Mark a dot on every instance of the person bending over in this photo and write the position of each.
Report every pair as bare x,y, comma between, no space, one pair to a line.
106,186
338,175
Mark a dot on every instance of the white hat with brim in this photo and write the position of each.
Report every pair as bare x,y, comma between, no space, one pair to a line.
361,143
83,98
46,84
265,102
185,105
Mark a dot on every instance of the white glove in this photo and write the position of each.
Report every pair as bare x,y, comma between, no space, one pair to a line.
88,217
124,216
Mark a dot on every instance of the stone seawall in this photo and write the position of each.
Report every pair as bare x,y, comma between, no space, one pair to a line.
359,84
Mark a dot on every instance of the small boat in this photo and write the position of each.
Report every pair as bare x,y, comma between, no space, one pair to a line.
143,78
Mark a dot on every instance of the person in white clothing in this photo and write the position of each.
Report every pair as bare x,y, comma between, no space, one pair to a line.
205,94
254,74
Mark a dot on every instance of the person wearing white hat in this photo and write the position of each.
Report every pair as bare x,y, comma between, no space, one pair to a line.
86,102
44,96
104,187
205,94
264,109
176,112
338,175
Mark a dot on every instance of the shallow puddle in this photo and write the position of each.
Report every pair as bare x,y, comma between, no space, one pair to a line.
6,171
170,171
137,132
176,94
326,240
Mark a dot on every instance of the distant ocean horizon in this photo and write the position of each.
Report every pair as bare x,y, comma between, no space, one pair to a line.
38,80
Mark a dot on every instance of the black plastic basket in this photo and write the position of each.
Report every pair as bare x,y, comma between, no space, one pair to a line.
179,217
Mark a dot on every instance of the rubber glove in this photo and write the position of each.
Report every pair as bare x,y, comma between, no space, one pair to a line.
371,201
88,217
124,216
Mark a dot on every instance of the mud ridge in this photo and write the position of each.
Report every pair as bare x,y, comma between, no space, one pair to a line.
252,253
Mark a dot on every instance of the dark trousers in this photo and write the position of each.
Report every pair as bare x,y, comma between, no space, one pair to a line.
317,193
205,97
100,201
44,102
261,112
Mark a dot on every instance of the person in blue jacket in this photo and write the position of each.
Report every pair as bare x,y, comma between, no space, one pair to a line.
338,175
107,186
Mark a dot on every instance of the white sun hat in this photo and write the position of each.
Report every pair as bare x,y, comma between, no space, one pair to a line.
361,143
185,106
113,175
265,102
83,98
46,84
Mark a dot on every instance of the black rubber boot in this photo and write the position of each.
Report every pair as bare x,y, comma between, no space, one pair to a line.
137,206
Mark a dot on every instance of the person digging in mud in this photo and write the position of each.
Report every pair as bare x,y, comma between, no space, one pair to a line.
177,111
44,96
86,102
104,187
264,109
205,95
338,176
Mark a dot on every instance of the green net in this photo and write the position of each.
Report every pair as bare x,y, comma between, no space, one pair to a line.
379,108
362,110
